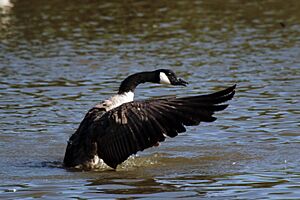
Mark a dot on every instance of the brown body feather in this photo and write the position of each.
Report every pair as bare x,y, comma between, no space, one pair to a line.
115,135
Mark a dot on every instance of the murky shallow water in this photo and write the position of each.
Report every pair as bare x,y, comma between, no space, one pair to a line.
60,58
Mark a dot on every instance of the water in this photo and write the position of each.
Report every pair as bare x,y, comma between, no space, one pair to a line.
59,58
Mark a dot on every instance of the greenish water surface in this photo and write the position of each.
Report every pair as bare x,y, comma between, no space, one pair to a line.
59,58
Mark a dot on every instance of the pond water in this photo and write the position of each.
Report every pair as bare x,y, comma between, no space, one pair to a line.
59,58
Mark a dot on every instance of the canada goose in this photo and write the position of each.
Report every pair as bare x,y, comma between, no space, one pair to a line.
120,126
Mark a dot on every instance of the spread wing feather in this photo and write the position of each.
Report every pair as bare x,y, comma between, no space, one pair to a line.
138,125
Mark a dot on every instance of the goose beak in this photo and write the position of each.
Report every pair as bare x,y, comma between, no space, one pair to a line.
181,82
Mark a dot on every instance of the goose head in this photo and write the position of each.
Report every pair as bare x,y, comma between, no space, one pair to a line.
166,76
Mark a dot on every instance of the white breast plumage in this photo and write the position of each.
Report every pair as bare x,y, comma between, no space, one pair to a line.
116,101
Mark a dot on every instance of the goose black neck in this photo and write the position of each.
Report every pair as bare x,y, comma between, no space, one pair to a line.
131,82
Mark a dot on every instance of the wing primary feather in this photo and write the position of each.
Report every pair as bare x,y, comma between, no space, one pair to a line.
148,130
164,127
139,133
132,140
166,119
171,121
128,140
214,98
117,149
158,128
124,150
176,118
138,125
107,154
134,129
125,153
122,138
179,114
192,112
109,159
222,92
217,108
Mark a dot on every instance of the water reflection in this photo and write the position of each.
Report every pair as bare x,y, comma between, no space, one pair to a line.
5,5
189,185
5,17
122,185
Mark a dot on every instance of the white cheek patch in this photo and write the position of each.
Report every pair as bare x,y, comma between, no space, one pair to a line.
163,78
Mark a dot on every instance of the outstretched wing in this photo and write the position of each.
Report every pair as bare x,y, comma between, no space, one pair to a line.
138,125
